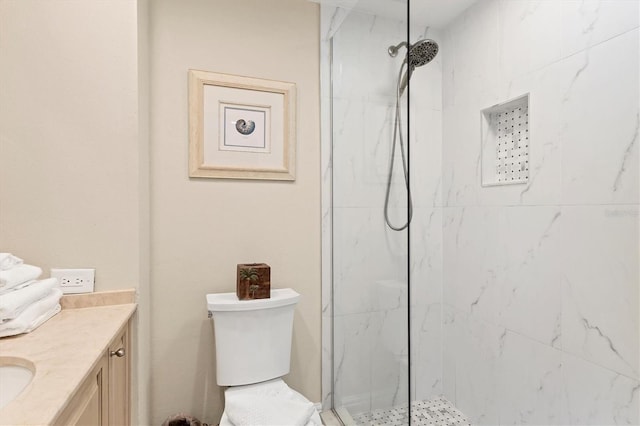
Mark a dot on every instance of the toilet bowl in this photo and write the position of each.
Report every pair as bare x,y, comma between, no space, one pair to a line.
253,352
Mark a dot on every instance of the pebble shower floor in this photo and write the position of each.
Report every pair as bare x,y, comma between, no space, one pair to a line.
433,412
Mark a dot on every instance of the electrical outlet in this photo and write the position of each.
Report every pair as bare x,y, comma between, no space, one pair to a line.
75,280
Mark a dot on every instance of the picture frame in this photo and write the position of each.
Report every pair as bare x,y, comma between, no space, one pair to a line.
241,127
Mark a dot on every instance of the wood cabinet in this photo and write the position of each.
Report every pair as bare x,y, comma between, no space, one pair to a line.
104,397
88,406
119,372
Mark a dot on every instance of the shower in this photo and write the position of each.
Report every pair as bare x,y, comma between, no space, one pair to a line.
487,306
418,54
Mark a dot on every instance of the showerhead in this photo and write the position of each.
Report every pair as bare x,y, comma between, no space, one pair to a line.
420,53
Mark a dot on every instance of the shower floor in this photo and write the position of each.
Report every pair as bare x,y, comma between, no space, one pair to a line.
434,412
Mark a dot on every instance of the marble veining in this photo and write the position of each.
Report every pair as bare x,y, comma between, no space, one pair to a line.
592,395
549,149
590,327
574,79
627,156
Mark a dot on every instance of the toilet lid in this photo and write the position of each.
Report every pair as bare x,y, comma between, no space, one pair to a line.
267,402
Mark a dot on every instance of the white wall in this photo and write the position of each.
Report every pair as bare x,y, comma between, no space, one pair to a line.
202,228
541,280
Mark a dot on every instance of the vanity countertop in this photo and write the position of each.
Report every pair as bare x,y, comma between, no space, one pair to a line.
63,350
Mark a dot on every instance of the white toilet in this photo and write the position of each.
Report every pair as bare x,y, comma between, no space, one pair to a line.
253,352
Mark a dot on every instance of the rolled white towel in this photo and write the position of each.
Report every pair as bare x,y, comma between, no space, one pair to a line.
14,302
18,275
8,261
34,316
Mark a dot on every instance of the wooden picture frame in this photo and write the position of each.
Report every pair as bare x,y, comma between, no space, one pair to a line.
241,127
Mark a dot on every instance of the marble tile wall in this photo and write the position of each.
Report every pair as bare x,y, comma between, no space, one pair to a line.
540,281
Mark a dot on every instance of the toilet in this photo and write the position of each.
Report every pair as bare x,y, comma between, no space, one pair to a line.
253,352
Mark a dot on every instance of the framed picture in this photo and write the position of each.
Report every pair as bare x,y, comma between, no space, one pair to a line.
241,127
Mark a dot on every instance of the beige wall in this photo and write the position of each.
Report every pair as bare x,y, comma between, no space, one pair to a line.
201,228
141,388
74,179
68,136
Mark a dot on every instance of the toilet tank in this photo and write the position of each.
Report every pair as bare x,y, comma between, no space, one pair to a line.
253,337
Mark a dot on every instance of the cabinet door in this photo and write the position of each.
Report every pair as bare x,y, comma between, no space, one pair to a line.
89,406
119,365
91,412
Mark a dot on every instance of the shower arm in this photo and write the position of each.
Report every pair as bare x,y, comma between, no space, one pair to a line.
393,50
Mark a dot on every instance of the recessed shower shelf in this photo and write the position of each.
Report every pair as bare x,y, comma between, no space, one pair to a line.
505,142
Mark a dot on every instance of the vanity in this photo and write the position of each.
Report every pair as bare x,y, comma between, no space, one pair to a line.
80,362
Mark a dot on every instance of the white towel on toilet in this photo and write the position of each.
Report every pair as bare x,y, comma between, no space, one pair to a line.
14,302
267,411
34,316
266,404
17,275
8,261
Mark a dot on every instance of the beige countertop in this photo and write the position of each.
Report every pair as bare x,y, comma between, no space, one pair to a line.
63,351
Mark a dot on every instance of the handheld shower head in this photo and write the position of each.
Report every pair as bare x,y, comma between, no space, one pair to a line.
420,53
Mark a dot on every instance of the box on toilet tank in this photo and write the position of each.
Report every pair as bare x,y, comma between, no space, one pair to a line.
253,281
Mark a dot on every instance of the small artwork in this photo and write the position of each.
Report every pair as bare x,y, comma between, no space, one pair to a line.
241,127
246,128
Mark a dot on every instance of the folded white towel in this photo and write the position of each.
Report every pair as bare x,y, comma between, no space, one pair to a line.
8,261
265,404
4,290
247,410
34,316
14,302
18,275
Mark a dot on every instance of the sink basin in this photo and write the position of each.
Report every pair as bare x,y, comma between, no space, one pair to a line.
15,375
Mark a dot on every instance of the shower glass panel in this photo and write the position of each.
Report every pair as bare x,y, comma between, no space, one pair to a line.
370,260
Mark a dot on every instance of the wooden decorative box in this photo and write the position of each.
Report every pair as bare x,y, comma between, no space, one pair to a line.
254,281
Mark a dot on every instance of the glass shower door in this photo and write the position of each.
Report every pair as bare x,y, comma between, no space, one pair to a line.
370,260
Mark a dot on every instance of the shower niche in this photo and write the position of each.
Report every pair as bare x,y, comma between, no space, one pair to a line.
505,142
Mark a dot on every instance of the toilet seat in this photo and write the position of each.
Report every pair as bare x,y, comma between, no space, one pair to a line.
274,389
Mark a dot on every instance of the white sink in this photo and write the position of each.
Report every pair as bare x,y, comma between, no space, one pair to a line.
13,379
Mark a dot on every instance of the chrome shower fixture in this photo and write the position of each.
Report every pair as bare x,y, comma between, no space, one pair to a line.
422,52
393,50
418,54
